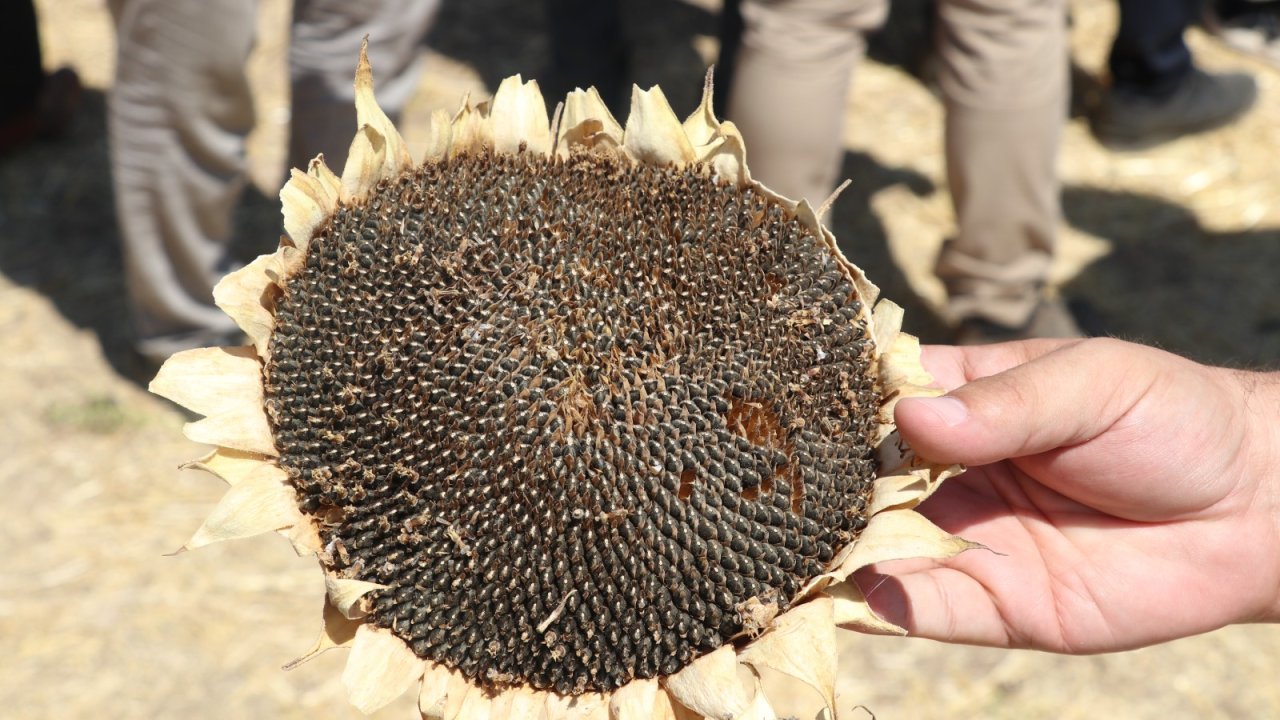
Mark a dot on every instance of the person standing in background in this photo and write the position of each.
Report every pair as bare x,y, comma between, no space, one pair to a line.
1157,93
178,116
1003,72
33,104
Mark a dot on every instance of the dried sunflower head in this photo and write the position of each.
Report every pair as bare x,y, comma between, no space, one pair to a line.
576,417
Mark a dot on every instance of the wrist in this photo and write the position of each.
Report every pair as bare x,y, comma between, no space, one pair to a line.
1261,450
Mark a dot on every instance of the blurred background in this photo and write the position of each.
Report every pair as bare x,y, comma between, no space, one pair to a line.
1178,246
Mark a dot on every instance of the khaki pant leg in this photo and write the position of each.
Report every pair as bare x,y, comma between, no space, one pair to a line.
1004,76
322,62
790,87
177,117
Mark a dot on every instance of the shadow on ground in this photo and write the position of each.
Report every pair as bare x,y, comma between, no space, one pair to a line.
862,237
58,230
59,237
1170,282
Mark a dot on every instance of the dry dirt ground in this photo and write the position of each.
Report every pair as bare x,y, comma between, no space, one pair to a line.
1178,247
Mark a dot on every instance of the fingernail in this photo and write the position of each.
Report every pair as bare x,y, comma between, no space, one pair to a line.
951,411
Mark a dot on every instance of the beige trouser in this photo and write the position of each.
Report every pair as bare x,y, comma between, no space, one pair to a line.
178,116
1004,79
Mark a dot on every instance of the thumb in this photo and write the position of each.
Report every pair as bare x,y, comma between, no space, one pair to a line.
1062,398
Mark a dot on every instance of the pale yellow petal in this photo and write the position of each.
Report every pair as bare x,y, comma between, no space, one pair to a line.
439,136
305,202
476,705
905,479
520,703
710,685
553,706
380,669
456,691
472,132
668,708
900,366
850,609
702,128
327,184
586,122
556,116
587,706
728,156
233,466
338,631
345,594
519,117
369,113
802,644
887,319
899,490
760,709
260,503
224,384
653,133
365,161
635,700
664,706
900,534
289,260
305,537
247,430
717,143
247,296
435,689
599,709
914,477
825,208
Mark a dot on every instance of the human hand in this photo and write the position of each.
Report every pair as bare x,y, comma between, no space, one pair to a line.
1130,497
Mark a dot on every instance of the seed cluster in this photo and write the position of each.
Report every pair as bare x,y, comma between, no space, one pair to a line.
574,414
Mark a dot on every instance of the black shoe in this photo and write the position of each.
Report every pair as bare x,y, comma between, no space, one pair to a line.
1050,319
1203,101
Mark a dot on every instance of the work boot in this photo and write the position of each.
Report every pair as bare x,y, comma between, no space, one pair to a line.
1204,101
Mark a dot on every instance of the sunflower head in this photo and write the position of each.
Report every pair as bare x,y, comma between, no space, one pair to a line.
576,417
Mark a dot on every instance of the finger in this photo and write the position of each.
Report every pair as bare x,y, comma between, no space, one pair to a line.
1067,395
954,365
939,604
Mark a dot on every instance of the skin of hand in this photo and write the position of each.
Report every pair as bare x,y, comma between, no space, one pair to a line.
1127,497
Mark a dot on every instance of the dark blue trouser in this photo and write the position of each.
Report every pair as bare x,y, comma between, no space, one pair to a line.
20,73
1149,56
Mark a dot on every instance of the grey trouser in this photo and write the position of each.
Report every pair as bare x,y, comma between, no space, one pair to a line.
178,116
1003,73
